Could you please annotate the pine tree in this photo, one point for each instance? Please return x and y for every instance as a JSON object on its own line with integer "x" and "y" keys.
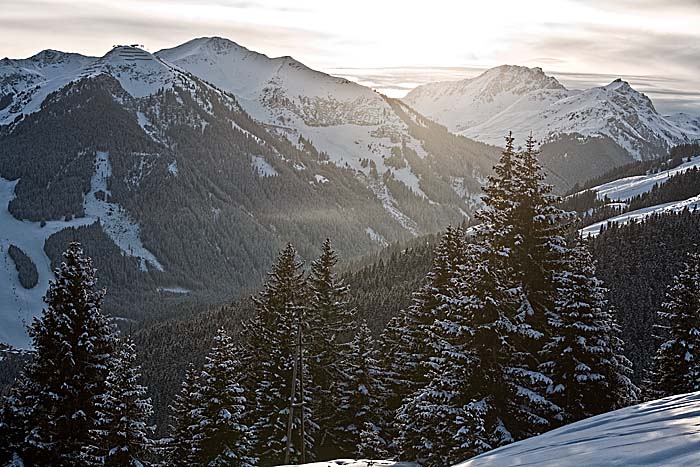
{"x": 122, "y": 436}
{"x": 463, "y": 410}
{"x": 676, "y": 366}
{"x": 359, "y": 391}
{"x": 410, "y": 355}
{"x": 393, "y": 373}
{"x": 330, "y": 319}
{"x": 588, "y": 374}
{"x": 521, "y": 232}
{"x": 486, "y": 388}
{"x": 220, "y": 435}
{"x": 182, "y": 450}
{"x": 53, "y": 409}
{"x": 372, "y": 445}
{"x": 272, "y": 350}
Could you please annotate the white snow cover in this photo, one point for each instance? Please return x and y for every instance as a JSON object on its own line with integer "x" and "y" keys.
{"x": 116, "y": 222}
{"x": 262, "y": 168}
{"x": 31, "y": 80}
{"x": 376, "y": 237}
{"x": 629, "y": 187}
{"x": 175, "y": 290}
{"x": 674, "y": 206}
{"x": 359, "y": 463}
{"x": 526, "y": 100}
{"x": 662, "y": 433}
{"x": 19, "y": 305}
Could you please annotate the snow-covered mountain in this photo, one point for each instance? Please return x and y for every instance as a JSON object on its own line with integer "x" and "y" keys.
{"x": 354, "y": 125}
{"x": 25, "y": 83}
{"x": 461, "y": 105}
{"x": 184, "y": 171}
{"x": 524, "y": 99}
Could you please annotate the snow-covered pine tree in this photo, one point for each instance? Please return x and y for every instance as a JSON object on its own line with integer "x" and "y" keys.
{"x": 588, "y": 374}
{"x": 330, "y": 319}
{"x": 122, "y": 438}
{"x": 521, "y": 232}
{"x": 359, "y": 391}
{"x": 676, "y": 366}
{"x": 220, "y": 434}
{"x": 272, "y": 337}
{"x": 486, "y": 388}
{"x": 372, "y": 445}
{"x": 462, "y": 411}
{"x": 181, "y": 449}
{"x": 54, "y": 406}
{"x": 411, "y": 355}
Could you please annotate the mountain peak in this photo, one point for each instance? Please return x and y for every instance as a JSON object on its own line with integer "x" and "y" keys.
{"x": 139, "y": 72}
{"x": 48, "y": 56}
{"x": 518, "y": 79}
{"x": 618, "y": 83}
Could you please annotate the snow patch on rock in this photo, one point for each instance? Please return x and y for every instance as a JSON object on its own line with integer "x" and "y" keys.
{"x": 115, "y": 221}
{"x": 262, "y": 168}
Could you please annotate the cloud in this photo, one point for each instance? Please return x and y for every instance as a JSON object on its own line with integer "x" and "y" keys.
{"x": 636, "y": 5}
{"x": 628, "y": 50}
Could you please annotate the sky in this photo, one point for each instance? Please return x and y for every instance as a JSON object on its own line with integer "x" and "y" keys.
{"x": 393, "y": 45}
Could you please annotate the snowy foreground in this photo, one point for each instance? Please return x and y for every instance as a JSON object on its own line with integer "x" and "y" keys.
{"x": 662, "y": 433}
{"x": 359, "y": 463}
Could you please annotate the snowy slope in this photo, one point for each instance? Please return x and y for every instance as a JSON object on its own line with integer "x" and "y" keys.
{"x": 360, "y": 463}
{"x": 629, "y": 187}
{"x": 349, "y": 122}
{"x": 28, "y": 82}
{"x": 19, "y": 305}
{"x": 662, "y": 433}
{"x": 691, "y": 204}
{"x": 139, "y": 72}
{"x": 524, "y": 100}
{"x": 25, "y": 83}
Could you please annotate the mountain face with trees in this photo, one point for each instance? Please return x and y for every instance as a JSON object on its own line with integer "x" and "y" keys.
{"x": 508, "y": 335}
{"x": 182, "y": 160}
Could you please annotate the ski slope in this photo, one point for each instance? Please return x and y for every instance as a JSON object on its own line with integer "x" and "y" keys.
{"x": 627, "y": 188}
{"x": 18, "y": 306}
{"x": 633, "y": 216}
{"x": 662, "y": 433}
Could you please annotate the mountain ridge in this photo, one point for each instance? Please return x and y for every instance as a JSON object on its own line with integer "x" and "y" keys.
{"x": 615, "y": 110}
